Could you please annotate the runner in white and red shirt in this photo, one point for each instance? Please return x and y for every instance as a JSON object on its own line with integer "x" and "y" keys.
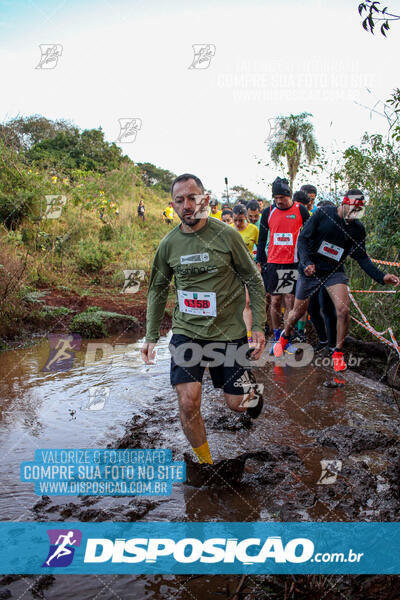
{"x": 283, "y": 220}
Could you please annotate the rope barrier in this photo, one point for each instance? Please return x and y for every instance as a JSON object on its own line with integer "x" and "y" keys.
{"x": 386, "y": 262}
{"x": 379, "y": 334}
{"x": 371, "y": 330}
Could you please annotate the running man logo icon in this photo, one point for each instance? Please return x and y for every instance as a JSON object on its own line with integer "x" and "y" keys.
{"x": 203, "y": 54}
{"x": 61, "y": 552}
{"x": 329, "y": 471}
{"x": 286, "y": 281}
{"x": 54, "y": 204}
{"x": 62, "y": 352}
{"x": 132, "y": 281}
{"x": 251, "y": 390}
{"x": 50, "y": 53}
{"x": 97, "y": 398}
{"x": 275, "y": 133}
{"x": 128, "y": 129}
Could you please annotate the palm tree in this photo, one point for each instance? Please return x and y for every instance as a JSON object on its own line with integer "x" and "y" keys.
{"x": 293, "y": 136}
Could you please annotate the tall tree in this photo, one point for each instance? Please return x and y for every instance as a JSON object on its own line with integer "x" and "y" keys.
{"x": 293, "y": 138}
{"x": 156, "y": 177}
{"x": 22, "y": 133}
{"x": 86, "y": 150}
{"x": 242, "y": 193}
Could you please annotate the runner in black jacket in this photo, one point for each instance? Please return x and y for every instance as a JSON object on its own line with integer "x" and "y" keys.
{"x": 328, "y": 237}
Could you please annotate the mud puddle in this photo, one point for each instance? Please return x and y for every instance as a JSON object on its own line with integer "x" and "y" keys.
{"x": 318, "y": 452}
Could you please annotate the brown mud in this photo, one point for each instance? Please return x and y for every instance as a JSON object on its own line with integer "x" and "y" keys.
{"x": 268, "y": 469}
{"x": 275, "y": 480}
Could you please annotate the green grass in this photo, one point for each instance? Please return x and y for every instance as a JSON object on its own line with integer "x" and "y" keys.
{"x": 94, "y": 324}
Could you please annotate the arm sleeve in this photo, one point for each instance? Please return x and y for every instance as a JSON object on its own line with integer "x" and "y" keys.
{"x": 359, "y": 253}
{"x": 305, "y": 239}
{"x": 262, "y": 237}
{"x": 248, "y": 272}
{"x": 160, "y": 279}
{"x": 305, "y": 215}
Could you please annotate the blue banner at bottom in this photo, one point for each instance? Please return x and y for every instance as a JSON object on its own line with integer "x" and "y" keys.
{"x": 200, "y": 548}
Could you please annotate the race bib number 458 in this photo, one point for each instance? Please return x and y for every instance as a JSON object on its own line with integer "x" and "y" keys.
{"x": 331, "y": 250}
{"x": 203, "y": 304}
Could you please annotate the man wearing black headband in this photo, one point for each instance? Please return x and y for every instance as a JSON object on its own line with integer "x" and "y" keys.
{"x": 282, "y": 221}
{"x": 328, "y": 237}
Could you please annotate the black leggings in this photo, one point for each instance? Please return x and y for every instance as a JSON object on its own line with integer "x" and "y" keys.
{"x": 323, "y": 316}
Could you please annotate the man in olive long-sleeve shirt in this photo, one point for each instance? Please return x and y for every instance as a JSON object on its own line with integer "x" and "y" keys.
{"x": 328, "y": 237}
{"x": 211, "y": 267}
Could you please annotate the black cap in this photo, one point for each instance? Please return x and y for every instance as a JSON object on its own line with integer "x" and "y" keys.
{"x": 280, "y": 187}
{"x": 355, "y": 192}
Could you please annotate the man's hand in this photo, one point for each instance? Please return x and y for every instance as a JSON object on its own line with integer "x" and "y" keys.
{"x": 259, "y": 344}
{"x": 148, "y": 353}
{"x": 258, "y": 265}
{"x": 389, "y": 278}
{"x": 309, "y": 270}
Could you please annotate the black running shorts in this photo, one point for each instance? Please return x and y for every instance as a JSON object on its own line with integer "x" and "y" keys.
{"x": 190, "y": 357}
{"x": 309, "y": 285}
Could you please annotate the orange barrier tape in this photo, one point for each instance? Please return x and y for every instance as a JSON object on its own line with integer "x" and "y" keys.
{"x": 375, "y": 291}
{"x": 379, "y": 334}
{"x": 386, "y": 262}
{"x": 371, "y": 330}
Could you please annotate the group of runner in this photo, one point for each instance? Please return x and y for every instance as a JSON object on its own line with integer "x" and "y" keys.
{"x": 224, "y": 272}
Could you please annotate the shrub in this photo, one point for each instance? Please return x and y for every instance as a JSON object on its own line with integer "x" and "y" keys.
{"x": 54, "y": 311}
{"x": 91, "y": 257}
{"x": 15, "y": 206}
{"x": 88, "y": 325}
{"x": 100, "y": 323}
{"x": 106, "y": 233}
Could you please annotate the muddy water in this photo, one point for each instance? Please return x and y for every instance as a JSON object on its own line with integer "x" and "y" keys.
{"x": 306, "y": 418}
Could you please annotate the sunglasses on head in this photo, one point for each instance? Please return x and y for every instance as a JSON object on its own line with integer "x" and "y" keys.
{"x": 357, "y": 201}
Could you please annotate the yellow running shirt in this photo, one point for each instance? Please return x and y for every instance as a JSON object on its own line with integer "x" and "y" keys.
{"x": 250, "y": 236}
{"x": 217, "y": 215}
{"x": 169, "y": 212}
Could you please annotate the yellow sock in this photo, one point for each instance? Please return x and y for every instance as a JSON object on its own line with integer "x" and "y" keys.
{"x": 203, "y": 453}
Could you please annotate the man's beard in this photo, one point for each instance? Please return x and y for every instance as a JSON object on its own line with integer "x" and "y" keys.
{"x": 354, "y": 214}
{"x": 193, "y": 220}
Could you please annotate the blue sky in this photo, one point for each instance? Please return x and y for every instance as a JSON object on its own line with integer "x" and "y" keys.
{"x": 130, "y": 60}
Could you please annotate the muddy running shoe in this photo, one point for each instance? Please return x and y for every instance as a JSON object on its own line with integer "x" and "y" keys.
{"x": 338, "y": 361}
{"x": 279, "y": 346}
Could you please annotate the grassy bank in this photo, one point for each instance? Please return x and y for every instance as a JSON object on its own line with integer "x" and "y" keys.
{"x": 76, "y": 254}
